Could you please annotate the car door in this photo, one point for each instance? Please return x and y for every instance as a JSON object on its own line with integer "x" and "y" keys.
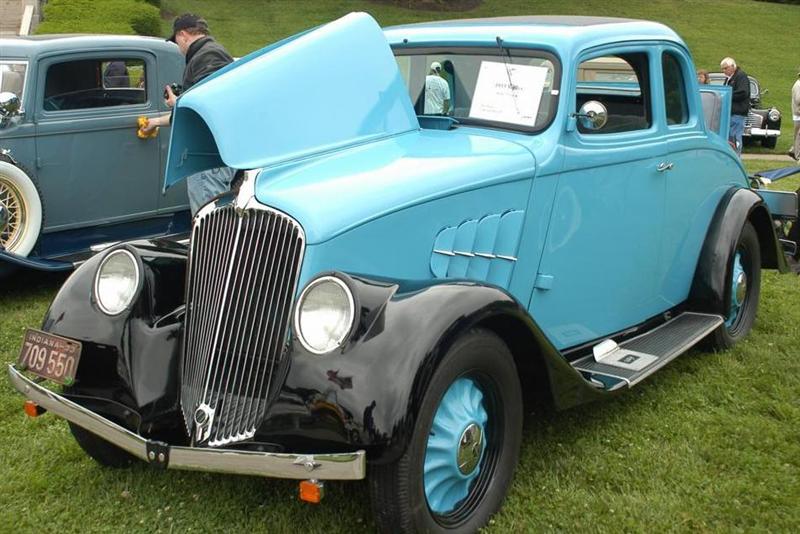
{"x": 693, "y": 184}
{"x": 597, "y": 273}
{"x": 91, "y": 165}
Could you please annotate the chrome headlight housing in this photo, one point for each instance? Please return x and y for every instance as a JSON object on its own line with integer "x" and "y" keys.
{"x": 774, "y": 115}
{"x": 116, "y": 282}
{"x": 324, "y": 314}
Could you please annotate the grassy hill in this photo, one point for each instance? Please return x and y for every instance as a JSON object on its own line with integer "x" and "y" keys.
{"x": 761, "y": 36}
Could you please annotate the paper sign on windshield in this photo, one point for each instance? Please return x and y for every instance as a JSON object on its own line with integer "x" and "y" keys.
{"x": 508, "y": 93}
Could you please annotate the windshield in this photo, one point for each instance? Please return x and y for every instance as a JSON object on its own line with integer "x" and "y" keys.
{"x": 513, "y": 89}
{"x": 12, "y": 77}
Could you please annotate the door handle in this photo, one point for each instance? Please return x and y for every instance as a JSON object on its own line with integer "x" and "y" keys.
{"x": 664, "y": 166}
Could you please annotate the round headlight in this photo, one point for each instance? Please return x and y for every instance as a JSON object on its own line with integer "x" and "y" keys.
{"x": 774, "y": 115}
{"x": 324, "y": 314}
{"x": 116, "y": 282}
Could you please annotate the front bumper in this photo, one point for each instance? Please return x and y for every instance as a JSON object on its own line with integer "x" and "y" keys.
{"x": 340, "y": 466}
{"x": 763, "y": 132}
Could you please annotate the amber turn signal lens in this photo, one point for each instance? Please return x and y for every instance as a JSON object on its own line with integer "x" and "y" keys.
{"x": 32, "y": 409}
{"x": 312, "y": 491}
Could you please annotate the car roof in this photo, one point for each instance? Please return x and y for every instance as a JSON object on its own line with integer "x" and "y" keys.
{"x": 557, "y": 32}
{"x": 28, "y": 46}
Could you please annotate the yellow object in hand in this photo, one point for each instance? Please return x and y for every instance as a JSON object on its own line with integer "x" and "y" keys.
{"x": 142, "y": 122}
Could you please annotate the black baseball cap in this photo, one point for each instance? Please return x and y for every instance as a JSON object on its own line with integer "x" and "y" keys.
{"x": 187, "y": 21}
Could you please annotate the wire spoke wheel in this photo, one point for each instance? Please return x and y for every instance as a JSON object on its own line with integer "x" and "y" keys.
{"x": 15, "y": 213}
{"x": 20, "y": 210}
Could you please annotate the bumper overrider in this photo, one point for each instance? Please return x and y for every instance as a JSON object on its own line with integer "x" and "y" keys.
{"x": 338, "y": 466}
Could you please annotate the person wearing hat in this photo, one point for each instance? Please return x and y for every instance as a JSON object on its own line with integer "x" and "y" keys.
{"x": 204, "y": 56}
{"x": 795, "y": 150}
{"x": 437, "y": 91}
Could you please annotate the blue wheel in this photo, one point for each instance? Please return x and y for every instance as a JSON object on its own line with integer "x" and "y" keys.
{"x": 465, "y": 444}
{"x": 456, "y": 444}
{"x": 742, "y": 292}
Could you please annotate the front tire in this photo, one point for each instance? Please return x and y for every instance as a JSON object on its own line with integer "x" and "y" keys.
{"x": 744, "y": 282}
{"x": 769, "y": 142}
{"x": 23, "y": 207}
{"x": 99, "y": 449}
{"x": 464, "y": 447}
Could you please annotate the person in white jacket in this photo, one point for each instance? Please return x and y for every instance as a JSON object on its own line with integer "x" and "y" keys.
{"x": 795, "y": 150}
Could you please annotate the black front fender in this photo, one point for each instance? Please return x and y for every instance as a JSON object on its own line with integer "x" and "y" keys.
{"x": 130, "y": 358}
{"x": 369, "y": 392}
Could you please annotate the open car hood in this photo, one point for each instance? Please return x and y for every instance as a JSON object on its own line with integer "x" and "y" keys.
{"x": 331, "y": 87}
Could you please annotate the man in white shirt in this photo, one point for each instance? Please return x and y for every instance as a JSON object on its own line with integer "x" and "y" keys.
{"x": 795, "y": 150}
{"x": 437, "y": 92}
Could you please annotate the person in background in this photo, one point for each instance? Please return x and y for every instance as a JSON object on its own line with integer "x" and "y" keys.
{"x": 702, "y": 77}
{"x": 738, "y": 81}
{"x": 116, "y": 75}
{"x": 204, "y": 56}
{"x": 795, "y": 150}
{"x": 437, "y": 92}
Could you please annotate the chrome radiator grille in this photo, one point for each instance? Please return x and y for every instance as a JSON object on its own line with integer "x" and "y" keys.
{"x": 753, "y": 121}
{"x": 242, "y": 276}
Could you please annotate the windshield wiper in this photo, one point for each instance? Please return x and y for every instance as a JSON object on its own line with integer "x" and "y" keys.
{"x": 505, "y": 53}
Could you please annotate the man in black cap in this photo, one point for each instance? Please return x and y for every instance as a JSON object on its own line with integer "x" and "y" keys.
{"x": 204, "y": 56}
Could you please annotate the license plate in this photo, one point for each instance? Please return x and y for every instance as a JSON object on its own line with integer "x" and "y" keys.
{"x": 52, "y": 357}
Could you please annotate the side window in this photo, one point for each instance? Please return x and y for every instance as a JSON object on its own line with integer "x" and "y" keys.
{"x": 95, "y": 83}
{"x": 674, "y": 90}
{"x": 622, "y": 84}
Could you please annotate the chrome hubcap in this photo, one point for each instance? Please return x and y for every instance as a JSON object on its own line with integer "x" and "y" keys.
{"x": 741, "y": 288}
{"x": 470, "y": 447}
{"x": 12, "y": 214}
{"x": 738, "y": 290}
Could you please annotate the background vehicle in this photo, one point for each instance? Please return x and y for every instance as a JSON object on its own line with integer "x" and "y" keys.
{"x": 73, "y": 174}
{"x": 762, "y": 124}
{"x": 384, "y": 290}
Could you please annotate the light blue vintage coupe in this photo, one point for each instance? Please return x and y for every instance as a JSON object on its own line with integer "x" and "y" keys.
{"x": 74, "y": 177}
{"x": 438, "y": 223}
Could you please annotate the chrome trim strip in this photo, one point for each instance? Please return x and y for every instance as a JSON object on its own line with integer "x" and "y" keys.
{"x": 509, "y": 258}
{"x": 338, "y": 466}
{"x": 465, "y": 254}
{"x": 445, "y": 252}
{"x": 765, "y": 131}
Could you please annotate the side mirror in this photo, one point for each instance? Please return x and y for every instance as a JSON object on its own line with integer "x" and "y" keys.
{"x": 9, "y": 107}
{"x": 593, "y": 115}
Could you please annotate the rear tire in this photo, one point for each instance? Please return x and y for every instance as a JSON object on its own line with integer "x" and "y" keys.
{"x": 741, "y": 308}
{"x": 21, "y": 200}
{"x": 464, "y": 447}
{"x": 100, "y": 450}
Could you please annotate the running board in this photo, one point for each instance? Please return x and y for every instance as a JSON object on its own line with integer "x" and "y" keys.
{"x": 613, "y": 366}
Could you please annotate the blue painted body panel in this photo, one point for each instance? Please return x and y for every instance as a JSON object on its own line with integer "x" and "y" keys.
{"x": 98, "y": 182}
{"x": 594, "y": 238}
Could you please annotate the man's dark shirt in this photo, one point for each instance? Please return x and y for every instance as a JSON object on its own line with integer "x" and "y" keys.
{"x": 740, "y": 84}
{"x": 205, "y": 56}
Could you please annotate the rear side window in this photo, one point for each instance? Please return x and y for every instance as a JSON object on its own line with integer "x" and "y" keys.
{"x": 674, "y": 90}
{"x": 95, "y": 83}
{"x": 622, "y": 84}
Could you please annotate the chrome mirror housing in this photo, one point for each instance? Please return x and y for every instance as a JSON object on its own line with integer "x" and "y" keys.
{"x": 593, "y": 115}
{"x": 9, "y": 107}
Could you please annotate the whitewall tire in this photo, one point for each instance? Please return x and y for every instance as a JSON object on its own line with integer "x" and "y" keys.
{"x": 22, "y": 210}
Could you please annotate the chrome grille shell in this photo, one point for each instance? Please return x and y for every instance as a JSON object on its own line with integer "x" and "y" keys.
{"x": 244, "y": 265}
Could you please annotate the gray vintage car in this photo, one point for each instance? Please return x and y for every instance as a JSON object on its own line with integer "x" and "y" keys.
{"x": 74, "y": 176}
{"x": 762, "y": 123}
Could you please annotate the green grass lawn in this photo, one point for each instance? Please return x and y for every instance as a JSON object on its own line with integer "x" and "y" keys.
{"x": 711, "y": 443}
{"x": 761, "y": 36}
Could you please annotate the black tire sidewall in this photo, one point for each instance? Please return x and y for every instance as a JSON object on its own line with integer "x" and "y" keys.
{"x": 480, "y": 355}
{"x": 726, "y": 337}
